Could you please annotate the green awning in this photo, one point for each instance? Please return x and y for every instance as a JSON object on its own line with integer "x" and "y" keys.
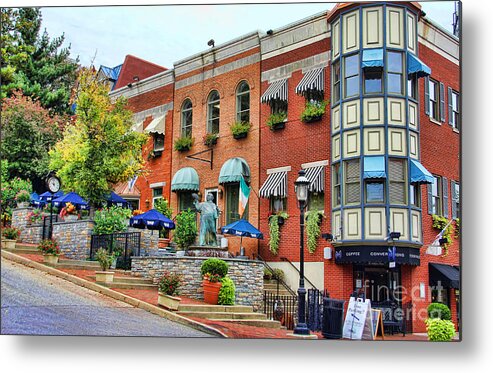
{"x": 185, "y": 179}
{"x": 232, "y": 171}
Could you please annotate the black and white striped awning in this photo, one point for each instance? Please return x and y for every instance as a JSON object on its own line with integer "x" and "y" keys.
{"x": 278, "y": 90}
{"x": 312, "y": 80}
{"x": 275, "y": 185}
{"x": 316, "y": 175}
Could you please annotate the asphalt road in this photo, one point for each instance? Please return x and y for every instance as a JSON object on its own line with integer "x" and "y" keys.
{"x": 36, "y": 303}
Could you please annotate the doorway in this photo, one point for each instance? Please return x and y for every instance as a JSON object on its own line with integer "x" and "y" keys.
{"x": 378, "y": 283}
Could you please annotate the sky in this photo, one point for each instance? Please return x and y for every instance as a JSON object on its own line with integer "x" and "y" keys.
{"x": 104, "y": 35}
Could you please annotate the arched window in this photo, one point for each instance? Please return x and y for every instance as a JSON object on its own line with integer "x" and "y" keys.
{"x": 213, "y": 112}
{"x": 186, "y": 118}
{"x": 243, "y": 102}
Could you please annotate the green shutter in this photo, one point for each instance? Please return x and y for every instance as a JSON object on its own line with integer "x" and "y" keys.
{"x": 427, "y": 96}
{"x": 442, "y": 102}
{"x": 445, "y": 196}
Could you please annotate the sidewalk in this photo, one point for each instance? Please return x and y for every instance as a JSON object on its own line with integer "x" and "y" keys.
{"x": 149, "y": 298}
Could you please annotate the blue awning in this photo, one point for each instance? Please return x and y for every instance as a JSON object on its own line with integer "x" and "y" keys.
{"x": 372, "y": 58}
{"x": 419, "y": 174}
{"x": 233, "y": 170}
{"x": 416, "y": 66}
{"x": 374, "y": 168}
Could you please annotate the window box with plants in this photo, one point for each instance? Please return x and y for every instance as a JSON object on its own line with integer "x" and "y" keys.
{"x": 23, "y": 198}
{"x": 213, "y": 270}
{"x": 168, "y": 286}
{"x": 277, "y": 121}
{"x": 240, "y": 129}
{"x": 275, "y": 220}
{"x": 210, "y": 139}
{"x": 105, "y": 259}
{"x": 314, "y": 110}
{"x": 183, "y": 144}
{"x": 9, "y": 237}
{"x": 50, "y": 250}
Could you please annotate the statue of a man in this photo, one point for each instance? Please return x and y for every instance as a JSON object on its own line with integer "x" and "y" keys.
{"x": 208, "y": 215}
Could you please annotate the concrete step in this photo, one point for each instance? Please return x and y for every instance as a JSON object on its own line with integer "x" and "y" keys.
{"x": 224, "y": 315}
{"x": 259, "y": 323}
{"x": 133, "y": 280}
{"x": 120, "y": 285}
{"x": 78, "y": 264}
{"x": 24, "y": 249}
{"x": 213, "y": 308}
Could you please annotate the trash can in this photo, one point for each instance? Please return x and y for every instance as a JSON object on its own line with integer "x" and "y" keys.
{"x": 333, "y": 318}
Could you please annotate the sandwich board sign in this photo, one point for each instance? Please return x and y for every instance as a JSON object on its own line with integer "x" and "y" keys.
{"x": 358, "y": 323}
{"x": 377, "y": 323}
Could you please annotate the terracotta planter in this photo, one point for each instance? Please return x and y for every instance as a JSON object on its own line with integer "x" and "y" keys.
{"x": 104, "y": 277}
{"x": 211, "y": 291}
{"x": 8, "y": 244}
{"x": 21, "y": 205}
{"x": 163, "y": 243}
{"x": 50, "y": 259}
{"x": 71, "y": 217}
{"x": 168, "y": 301}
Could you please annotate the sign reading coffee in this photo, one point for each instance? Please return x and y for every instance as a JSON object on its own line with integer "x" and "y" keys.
{"x": 377, "y": 255}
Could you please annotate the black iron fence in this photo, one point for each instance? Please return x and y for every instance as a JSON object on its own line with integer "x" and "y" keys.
{"x": 315, "y": 307}
{"x": 125, "y": 245}
{"x": 283, "y": 308}
{"x": 47, "y": 227}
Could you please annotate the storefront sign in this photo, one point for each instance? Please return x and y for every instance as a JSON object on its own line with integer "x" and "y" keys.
{"x": 377, "y": 255}
{"x": 358, "y": 322}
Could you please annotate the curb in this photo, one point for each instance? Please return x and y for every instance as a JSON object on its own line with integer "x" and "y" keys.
{"x": 114, "y": 294}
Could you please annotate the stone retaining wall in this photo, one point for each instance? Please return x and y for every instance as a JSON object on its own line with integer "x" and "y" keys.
{"x": 246, "y": 274}
{"x": 19, "y": 217}
{"x": 32, "y": 234}
{"x": 149, "y": 241}
{"x": 74, "y": 238}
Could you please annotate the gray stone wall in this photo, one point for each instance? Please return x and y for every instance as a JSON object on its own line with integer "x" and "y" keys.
{"x": 19, "y": 218}
{"x": 32, "y": 234}
{"x": 149, "y": 241}
{"x": 74, "y": 238}
{"x": 246, "y": 274}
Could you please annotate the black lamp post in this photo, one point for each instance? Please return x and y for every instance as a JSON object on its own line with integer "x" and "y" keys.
{"x": 301, "y": 187}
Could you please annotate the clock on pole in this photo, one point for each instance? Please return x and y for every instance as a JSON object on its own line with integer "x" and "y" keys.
{"x": 53, "y": 184}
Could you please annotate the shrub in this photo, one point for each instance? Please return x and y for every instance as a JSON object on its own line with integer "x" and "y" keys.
{"x": 227, "y": 292}
{"x": 110, "y": 220}
{"x": 276, "y": 118}
{"x": 214, "y": 266}
{"x": 439, "y": 311}
{"x": 11, "y": 233}
{"x": 170, "y": 283}
{"x": 183, "y": 143}
{"x": 104, "y": 259}
{"x": 440, "y": 330}
{"x": 186, "y": 229}
{"x": 278, "y": 274}
{"x": 35, "y": 216}
{"x": 23, "y": 196}
{"x": 240, "y": 128}
{"x": 49, "y": 247}
{"x": 313, "y": 110}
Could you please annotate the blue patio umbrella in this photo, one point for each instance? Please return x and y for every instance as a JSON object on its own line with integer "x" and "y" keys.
{"x": 152, "y": 219}
{"x": 242, "y": 228}
{"x": 36, "y": 201}
{"x": 115, "y": 199}
{"x": 73, "y": 198}
{"x": 46, "y": 196}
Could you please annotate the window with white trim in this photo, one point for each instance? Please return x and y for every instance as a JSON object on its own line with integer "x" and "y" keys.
{"x": 158, "y": 141}
{"x": 243, "y": 102}
{"x": 213, "y": 112}
{"x": 351, "y": 75}
{"x": 156, "y": 194}
{"x": 336, "y": 184}
{"x": 436, "y": 195}
{"x": 336, "y": 78}
{"x": 397, "y": 181}
{"x": 352, "y": 177}
{"x": 186, "y": 118}
{"x": 455, "y": 115}
{"x": 394, "y": 72}
{"x": 434, "y": 100}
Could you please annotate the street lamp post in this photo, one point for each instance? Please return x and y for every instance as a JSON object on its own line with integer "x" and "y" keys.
{"x": 301, "y": 188}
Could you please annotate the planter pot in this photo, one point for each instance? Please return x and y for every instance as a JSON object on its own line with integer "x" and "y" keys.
{"x": 104, "y": 277}
{"x": 211, "y": 143}
{"x": 8, "y": 244}
{"x": 240, "y": 135}
{"x": 313, "y": 119}
{"x": 211, "y": 291}
{"x": 50, "y": 259}
{"x": 22, "y": 204}
{"x": 71, "y": 218}
{"x": 168, "y": 301}
{"x": 163, "y": 243}
{"x": 278, "y": 126}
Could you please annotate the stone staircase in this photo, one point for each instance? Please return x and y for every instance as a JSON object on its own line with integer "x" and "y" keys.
{"x": 135, "y": 283}
{"x": 270, "y": 286}
{"x": 236, "y": 314}
{"x": 21, "y": 248}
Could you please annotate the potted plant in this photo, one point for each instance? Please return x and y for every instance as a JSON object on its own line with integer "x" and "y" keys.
{"x": 226, "y": 296}
{"x": 69, "y": 212}
{"x": 277, "y": 121}
{"x": 314, "y": 110}
{"x": 275, "y": 220}
{"x": 10, "y": 236}
{"x": 23, "y": 198}
{"x": 50, "y": 250}
{"x": 240, "y": 129}
{"x": 104, "y": 259}
{"x": 213, "y": 270}
{"x": 210, "y": 139}
{"x": 313, "y": 221}
{"x": 183, "y": 144}
{"x": 168, "y": 286}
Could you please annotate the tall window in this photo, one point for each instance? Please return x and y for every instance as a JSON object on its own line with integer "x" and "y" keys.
{"x": 277, "y": 204}
{"x": 156, "y": 194}
{"x": 213, "y": 111}
{"x": 394, "y": 72}
{"x": 243, "y": 102}
{"x": 351, "y": 75}
{"x": 434, "y": 100}
{"x": 158, "y": 141}
{"x": 455, "y": 200}
{"x": 374, "y": 191}
{"x": 186, "y": 118}
{"x": 373, "y": 80}
{"x": 232, "y": 192}
{"x": 185, "y": 201}
{"x": 436, "y": 195}
{"x": 454, "y": 110}
{"x": 336, "y": 183}
{"x": 352, "y": 181}
{"x": 336, "y": 78}
{"x": 397, "y": 181}
{"x": 414, "y": 195}
{"x": 278, "y": 106}
{"x": 316, "y": 201}
{"x": 412, "y": 87}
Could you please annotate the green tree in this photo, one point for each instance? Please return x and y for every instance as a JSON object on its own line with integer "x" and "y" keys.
{"x": 34, "y": 63}
{"x": 98, "y": 149}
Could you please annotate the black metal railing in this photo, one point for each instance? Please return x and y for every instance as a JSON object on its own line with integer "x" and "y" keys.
{"x": 126, "y": 244}
{"x": 47, "y": 227}
{"x": 297, "y": 270}
{"x": 315, "y": 307}
{"x": 283, "y": 308}
{"x": 279, "y": 280}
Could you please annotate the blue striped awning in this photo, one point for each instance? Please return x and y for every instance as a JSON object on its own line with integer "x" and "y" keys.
{"x": 374, "y": 168}
{"x": 416, "y": 66}
{"x": 275, "y": 185}
{"x": 372, "y": 58}
{"x": 312, "y": 80}
{"x": 278, "y": 90}
{"x": 316, "y": 176}
{"x": 419, "y": 174}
